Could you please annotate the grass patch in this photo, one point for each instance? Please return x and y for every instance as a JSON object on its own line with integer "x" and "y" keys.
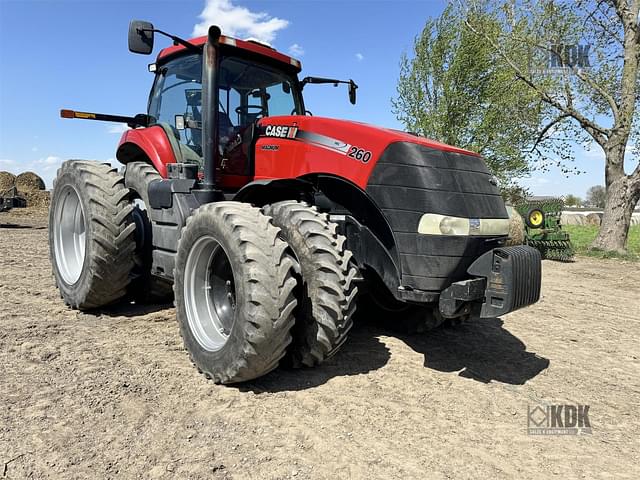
{"x": 583, "y": 235}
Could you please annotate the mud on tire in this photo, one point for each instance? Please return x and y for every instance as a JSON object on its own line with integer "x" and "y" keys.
{"x": 144, "y": 286}
{"x": 259, "y": 275}
{"x": 327, "y": 297}
{"x": 91, "y": 234}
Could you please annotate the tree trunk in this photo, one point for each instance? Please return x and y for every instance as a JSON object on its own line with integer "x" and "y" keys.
{"x": 622, "y": 197}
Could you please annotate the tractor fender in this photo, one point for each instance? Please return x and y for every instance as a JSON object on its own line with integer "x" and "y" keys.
{"x": 152, "y": 143}
{"x": 368, "y": 232}
{"x": 263, "y": 192}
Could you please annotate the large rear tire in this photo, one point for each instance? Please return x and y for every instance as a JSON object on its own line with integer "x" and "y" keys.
{"x": 144, "y": 287}
{"x": 327, "y": 297}
{"x": 234, "y": 283}
{"x": 91, "y": 234}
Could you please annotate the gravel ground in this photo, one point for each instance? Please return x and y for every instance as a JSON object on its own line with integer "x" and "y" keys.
{"x": 112, "y": 394}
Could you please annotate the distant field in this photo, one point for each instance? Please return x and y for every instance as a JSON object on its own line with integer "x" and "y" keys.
{"x": 583, "y": 235}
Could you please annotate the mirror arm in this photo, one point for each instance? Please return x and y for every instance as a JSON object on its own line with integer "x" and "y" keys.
{"x": 306, "y": 80}
{"x": 178, "y": 40}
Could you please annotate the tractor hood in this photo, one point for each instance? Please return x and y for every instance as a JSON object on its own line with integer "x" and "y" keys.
{"x": 341, "y": 147}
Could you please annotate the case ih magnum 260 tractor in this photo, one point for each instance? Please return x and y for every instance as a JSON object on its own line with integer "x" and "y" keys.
{"x": 269, "y": 224}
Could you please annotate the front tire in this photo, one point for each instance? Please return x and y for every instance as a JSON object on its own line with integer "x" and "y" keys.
{"x": 91, "y": 234}
{"x": 327, "y": 298}
{"x": 234, "y": 292}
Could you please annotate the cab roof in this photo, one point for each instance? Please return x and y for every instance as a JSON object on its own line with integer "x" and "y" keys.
{"x": 249, "y": 45}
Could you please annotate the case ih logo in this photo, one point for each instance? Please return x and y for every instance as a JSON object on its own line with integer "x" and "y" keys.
{"x": 558, "y": 420}
{"x": 281, "y": 131}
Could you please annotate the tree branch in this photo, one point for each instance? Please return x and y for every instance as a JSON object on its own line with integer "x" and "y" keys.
{"x": 546, "y": 129}
{"x": 606, "y": 95}
{"x": 598, "y": 133}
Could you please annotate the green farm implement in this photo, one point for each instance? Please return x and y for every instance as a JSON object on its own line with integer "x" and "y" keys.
{"x": 543, "y": 230}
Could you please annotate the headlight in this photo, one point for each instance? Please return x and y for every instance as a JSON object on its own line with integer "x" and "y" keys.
{"x": 435, "y": 224}
{"x": 454, "y": 226}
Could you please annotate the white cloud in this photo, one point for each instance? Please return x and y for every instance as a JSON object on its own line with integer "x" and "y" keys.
{"x": 238, "y": 21}
{"x": 4, "y": 161}
{"x": 34, "y": 149}
{"x": 118, "y": 128}
{"x": 51, "y": 160}
{"x": 296, "y": 50}
{"x": 359, "y": 57}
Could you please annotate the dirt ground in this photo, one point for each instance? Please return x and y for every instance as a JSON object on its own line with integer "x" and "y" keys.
{"x": 113, "y": 395}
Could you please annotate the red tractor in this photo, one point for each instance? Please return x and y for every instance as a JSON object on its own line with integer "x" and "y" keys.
{"x": 268, "y": 224}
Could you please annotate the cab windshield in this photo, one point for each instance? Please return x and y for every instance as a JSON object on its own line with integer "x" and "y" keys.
{"x": 248, "y": 91}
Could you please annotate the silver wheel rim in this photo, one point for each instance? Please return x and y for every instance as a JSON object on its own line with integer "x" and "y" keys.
{"x": 209, "y": 293}
{"x": 70, "y": 236}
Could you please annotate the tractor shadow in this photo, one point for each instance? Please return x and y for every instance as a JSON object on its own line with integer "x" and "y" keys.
{"x": 16, "y": 226}
{"x": 481, "y": 350}
{"x": 131, "y": 309}
{"x": 362, "y": 353}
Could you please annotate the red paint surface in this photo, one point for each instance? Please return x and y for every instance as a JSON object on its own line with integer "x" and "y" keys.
{"x": 297, "y": 158}
{"x": 250, "y": 46}
{"x": 154, "y": 143}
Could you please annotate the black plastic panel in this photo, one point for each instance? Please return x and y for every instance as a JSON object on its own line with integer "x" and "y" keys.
{"x": 410, "y": 180}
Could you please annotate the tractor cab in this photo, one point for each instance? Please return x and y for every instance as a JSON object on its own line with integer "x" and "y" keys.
{"x": 250, "y": 87}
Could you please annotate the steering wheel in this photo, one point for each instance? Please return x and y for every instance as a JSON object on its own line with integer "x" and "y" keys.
{"x": 244, "y": 109}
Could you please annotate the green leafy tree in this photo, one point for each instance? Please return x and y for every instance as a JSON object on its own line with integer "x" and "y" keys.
{"x": 582, "y": 60}
{"x": 596, "y": 196}
{"x": 572, "y": 201}
{"x": 458, "y": 90}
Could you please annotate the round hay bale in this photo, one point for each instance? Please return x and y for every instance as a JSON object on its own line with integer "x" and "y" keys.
{"x": 37, "y": 199}
{"x": 593, "y": 219}
{"x": 29, "y": 182}
{"x": 516, "y": 227}
{"x": 7, "y": 181}
{"x": 635, "y": 220}
{"x": 572, "y": 219}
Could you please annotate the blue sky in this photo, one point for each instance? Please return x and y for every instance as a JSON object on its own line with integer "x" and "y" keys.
{"x": 73, "y": 54}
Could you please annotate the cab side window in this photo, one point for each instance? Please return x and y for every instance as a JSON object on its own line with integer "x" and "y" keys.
{"x": 178, "y": 91}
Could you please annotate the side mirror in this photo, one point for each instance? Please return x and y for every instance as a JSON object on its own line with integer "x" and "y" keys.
{"x": 352, "y": 92}
{"x": 140, "y": 37}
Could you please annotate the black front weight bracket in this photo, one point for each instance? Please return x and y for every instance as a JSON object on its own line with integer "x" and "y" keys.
{"x": 509, "y": 278}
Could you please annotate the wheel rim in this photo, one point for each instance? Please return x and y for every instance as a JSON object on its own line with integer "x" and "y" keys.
{"x": 536, "y": 218}
{"x": 69, "y": 235}
{"x": 209, "y": 293}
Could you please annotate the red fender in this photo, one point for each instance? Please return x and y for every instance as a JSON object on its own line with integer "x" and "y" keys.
{"x": 153, "y": 142}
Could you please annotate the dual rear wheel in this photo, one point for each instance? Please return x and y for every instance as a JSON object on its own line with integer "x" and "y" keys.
{"x": 254, "y": 287}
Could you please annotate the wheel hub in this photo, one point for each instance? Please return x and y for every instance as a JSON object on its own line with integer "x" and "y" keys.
{"x": 210, "y": 294}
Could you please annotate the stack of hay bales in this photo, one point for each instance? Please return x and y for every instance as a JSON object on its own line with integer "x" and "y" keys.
{"x": 28, "y": 185}
{"x": 573, "y": 219}
{"x": 516, "y": 227}
{"x": 594, "y": 218}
